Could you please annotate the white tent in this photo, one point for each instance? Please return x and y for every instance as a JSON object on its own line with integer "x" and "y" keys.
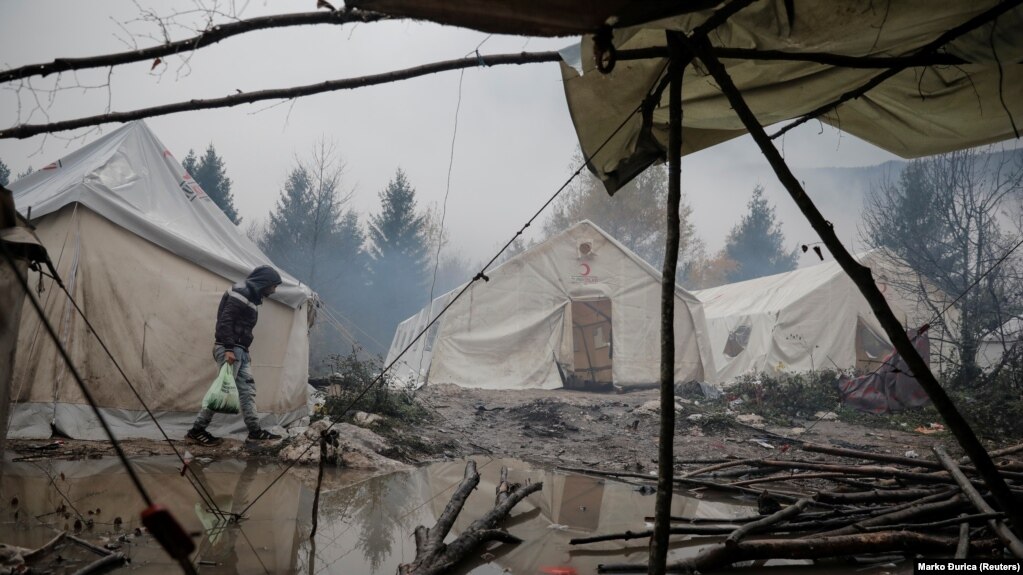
{"x": 579, "y": 308}
{"x": 147, "y": 255}
{"x": 994, "y": 345}
{"x": 810, "y": 318}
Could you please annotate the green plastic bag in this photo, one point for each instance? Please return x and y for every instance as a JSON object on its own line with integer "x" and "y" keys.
{"x": 223, "y": 394}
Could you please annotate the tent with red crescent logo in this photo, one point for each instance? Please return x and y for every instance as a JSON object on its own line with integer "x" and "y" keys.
{"x": 579, "y": 309}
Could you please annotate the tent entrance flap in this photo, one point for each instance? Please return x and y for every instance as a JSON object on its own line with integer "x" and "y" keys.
{"x": 591, "y": 345}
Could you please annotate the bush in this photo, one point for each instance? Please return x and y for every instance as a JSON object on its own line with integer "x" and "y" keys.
{"x": 350, "y": 379}
{"x": 787, "y": 396}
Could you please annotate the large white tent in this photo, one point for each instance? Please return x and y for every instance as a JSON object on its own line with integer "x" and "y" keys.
{"x": 147, "y": 255}
{"x": 579, "y": 308}
{"x": 811, "y": 318}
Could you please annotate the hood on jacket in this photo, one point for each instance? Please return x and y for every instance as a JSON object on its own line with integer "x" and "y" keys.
{"x": 260, "y": 279}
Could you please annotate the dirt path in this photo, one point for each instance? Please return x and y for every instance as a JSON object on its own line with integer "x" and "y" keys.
{"x": 556, "y": 427}
{"x": 609, "y": 431}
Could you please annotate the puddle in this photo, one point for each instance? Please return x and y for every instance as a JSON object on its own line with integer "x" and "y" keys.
{"x": 365, "y": 523}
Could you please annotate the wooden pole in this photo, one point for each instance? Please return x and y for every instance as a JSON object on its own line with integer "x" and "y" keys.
{"x": 861, "y": 276}
{"x": 319, "y": 483}
{"x": 665, "y": 449}
{"x": 790, "y": 511}
{"x": 1003, "y": 532}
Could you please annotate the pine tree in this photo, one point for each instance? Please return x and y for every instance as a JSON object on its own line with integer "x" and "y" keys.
{"x": 310, "y": 235}
{"x": 399, "y": 254}
{"x": 756, "y": 243}
{"x": 211, "y": 174}
{"x": 286, "y": 230}
{"x": 5, "y": 174}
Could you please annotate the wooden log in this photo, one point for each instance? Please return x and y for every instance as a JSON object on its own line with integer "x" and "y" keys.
{"x": 898, "y": 459}
{"x": 998, "y": 452}
{"x": 103, "y": 564}
{"x": 94, "y": 548}
{"x": 962, "y": 550}
{"x": 719, "y": 466}
{"x": 1004, "y": 533}
{"x": 789, "y": 496}
{"x": 787, "y": 477}
{"x": 961, "y": 519}
{"x": 720, "y": 555}
{"x": 434, "y": 557}
{"x": 876, "y": 495}
{"x": 790, "y": 511}
{"x": 45, "y": 549}
{"x": 920, "y": 507}
{"x": 868, "y": 470}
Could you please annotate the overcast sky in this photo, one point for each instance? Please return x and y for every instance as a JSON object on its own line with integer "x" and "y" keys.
{"x": 514, "y": 141}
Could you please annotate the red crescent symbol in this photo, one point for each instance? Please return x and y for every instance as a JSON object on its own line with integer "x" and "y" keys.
{"x": 586, "y": 269}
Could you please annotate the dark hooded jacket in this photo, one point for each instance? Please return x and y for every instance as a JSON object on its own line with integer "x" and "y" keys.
{"x": 238, "y": 311}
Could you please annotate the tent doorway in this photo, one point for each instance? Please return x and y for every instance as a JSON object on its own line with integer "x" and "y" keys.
{"x": 591, "y": 343}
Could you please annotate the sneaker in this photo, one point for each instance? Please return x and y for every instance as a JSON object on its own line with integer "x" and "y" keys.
{"x": 202, "y": 437}
{"x": 262, "y": 435}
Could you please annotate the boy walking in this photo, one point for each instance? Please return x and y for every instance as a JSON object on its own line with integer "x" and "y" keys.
{"x": 236, "y": 318}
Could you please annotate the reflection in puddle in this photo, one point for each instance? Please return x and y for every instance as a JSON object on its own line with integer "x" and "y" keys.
{"x": 365, "y": 523}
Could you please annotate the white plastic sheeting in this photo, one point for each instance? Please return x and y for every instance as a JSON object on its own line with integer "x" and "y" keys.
{"x": 919, "y": 111}
{"x": 507, "y": 332}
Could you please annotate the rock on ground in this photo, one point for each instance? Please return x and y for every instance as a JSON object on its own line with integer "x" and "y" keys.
{"x": 356, "y": 448}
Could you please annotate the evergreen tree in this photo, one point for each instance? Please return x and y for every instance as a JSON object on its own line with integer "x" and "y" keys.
{"x": 5, "y": 174}
{"x": 210, "y": 173}
{"x": 311, "y": 236}
{"x": 756, "y": 243}
{"x": 399, "y": 254}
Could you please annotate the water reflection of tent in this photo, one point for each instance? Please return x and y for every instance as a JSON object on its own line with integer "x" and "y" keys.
{"x": 272, "y": 533}
{"x": 568, "y": 506}
{"x": 810, "y": 318}
{"x": 131, "y": 230}
{"x": 580, "y": 298}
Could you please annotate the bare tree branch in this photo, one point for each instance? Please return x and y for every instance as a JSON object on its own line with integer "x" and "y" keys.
{"x": 28, "y": 130}
{"x": 211, "y": 36}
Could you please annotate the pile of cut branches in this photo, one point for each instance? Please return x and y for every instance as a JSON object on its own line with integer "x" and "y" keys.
{"x": 871, "y": 506}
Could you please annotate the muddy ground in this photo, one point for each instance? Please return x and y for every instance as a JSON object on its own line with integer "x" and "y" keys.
{"x": 560, "y": 427}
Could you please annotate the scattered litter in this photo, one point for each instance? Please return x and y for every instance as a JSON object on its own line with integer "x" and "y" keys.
{"x": 826, "y": 415}
{"x": 912, "y": 454}
{"x": 761, "y": 443}
{"x": 695, "y": 417}
{"x": 693, "y": 388}
{"x": 735, "y": 402}
{"x": 930, "y": 428}
{"x": 557, "y": 526}
{"x": 364, "y": 419}
{"x": 751, "y": 419}
{"x": 559, "y": 570}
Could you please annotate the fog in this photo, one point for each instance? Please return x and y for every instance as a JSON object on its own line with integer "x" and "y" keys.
{"x": 510, "y": 149}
